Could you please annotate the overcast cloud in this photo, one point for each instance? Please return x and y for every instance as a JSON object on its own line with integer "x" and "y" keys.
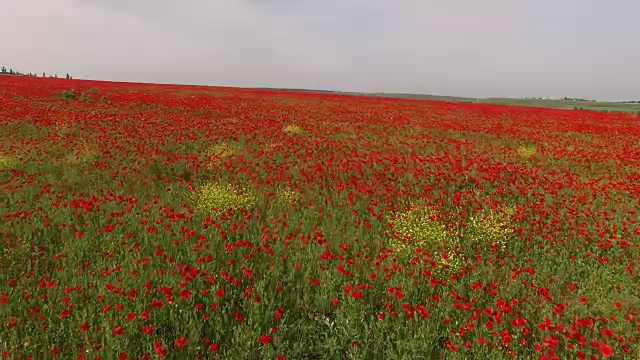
{"x": 552, "y": 48}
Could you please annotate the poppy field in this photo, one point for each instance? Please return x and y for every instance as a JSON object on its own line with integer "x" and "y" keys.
{"x": 142, "y": 221}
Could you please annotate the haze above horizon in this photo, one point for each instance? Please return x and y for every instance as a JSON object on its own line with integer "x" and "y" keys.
{"x": 495, "y": 48}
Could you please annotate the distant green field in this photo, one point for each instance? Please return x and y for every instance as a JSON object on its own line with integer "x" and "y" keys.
{"x": 563, "y": 104}
{"x": 555, "y": 104}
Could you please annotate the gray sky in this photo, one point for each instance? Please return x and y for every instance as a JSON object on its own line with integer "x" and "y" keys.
{"x": 552, "y": 48}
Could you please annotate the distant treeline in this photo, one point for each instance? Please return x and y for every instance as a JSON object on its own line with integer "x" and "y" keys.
{"x": 621, "y": 102}
{"x": 575, "y": 99}
{"x": 5, "y": 71}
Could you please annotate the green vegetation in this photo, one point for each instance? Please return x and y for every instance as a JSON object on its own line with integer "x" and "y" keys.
{"x": 88, "y": 95}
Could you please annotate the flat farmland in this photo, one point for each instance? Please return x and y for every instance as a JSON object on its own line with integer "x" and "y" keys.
{"x": 143, "y": 221}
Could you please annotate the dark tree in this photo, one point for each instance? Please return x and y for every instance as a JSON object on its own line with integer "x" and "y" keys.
{"x": 4, "y": 70}
{"x": 68, "y": 77}
{"x": 44, "y": 74}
